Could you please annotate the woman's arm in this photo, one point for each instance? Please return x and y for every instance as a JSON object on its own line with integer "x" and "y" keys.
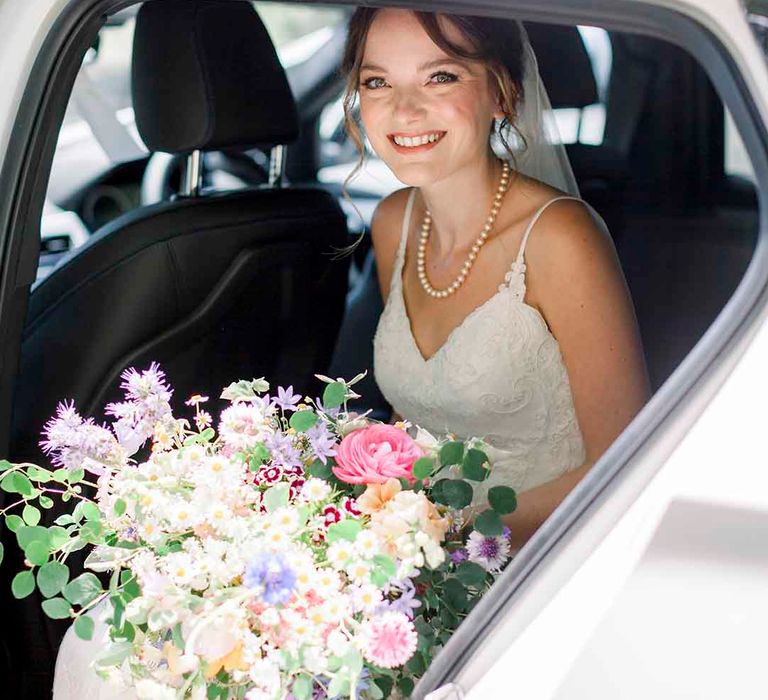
{"x": 575, "y": 280}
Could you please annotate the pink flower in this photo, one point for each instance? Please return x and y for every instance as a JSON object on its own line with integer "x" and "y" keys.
{"x": 389, "y": 640}
{"x": 374, "y": 454}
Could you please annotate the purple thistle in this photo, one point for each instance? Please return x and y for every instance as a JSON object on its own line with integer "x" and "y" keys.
{"x": 271, "y": 576}
{"x": 490, "y": 552}
{"x": 322, "y": 441}
{"x": 286, "y": 399}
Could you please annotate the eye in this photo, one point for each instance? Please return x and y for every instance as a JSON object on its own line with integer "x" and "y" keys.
{"x": 374, "y": 83}
{"x": 443, "y": 77}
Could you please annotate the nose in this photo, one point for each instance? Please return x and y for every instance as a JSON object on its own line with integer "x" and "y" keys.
{"x": 408, "y": 106}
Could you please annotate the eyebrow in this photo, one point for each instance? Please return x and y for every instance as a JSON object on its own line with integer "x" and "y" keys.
{"x": 424, "y": 66}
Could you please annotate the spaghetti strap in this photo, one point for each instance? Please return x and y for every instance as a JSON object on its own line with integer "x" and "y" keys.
{"x": 397, "y": 268}
{"x": 532, "y": 223}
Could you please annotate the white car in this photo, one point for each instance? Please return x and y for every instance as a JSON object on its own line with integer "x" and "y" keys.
{"x": 650, "y": 579}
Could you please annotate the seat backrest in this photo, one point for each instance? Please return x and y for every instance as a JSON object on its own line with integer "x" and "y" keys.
{"x": 216, "y": 287}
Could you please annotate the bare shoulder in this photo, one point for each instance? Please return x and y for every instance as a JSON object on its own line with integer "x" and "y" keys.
{"x": 386, "y": 226}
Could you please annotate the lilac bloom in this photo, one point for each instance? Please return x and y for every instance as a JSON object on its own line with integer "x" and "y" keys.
{"x": 322, "y": 441}
{"x": 271, "y": 576}
{"x": 405, "y": 603}
{"x": 330, "y": 412}
{"x": 286, "y": 399}
{"x": 282, "y": 450}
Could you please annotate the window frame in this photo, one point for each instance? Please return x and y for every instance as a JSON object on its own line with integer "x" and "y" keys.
{"x": 635, "y": 456}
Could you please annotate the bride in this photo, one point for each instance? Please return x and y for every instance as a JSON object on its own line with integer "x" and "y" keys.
{"x": 507, "y": 315}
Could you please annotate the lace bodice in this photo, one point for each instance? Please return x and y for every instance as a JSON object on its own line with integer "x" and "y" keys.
{"x": 499, "y": 375}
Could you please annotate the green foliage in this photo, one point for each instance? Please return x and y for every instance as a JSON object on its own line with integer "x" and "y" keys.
{"x": 16, "y": 482}
{"x": 84, "y": 627}
{"x": 37, "y": 553}
{"x": 45, "y": 502}
{"x": 422, "y": 467}
{"x": 455, "y": 493}
{"x": 471, "y": 574}
{"x": 502, "y": 499}
{"x": 347, "y": 529}
{"x": 119, "y": 507}
{"x": 4, "y": 465}
{"x": 475, "y": 465}
{"x": 13, "y": 522}
{"x": 416, "y": 664}
{"x": 83, "y": 589}
{"x": 302, "y": 420}
{"x": 23, "y": 584}
{"x": 2, "y": 552}
{"x": 451, "y": 453}
{"x": 489, "y": 523}
{"x": 455, "y": 594}
{"x": 52, "y": 577}
{"x": 385, "y": 685}
{"x": 31, "y": 515}
{"x": 320, "y": 470}
{"x": 334, "y": 395}
{"x": 302, "y": 686}
{"x": 244, "y": 390}
{"x": 276, "y": 497}
{"x": 56, "y": 608}
{"x": 90, "y": 511}
{"x": 405, "y": 685}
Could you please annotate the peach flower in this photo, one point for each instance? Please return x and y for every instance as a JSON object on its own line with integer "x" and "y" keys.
{"x": 375, "y": 454}
{"x": 376, "y": 496}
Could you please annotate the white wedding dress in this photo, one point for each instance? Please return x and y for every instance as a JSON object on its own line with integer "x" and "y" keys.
{"x": 498, "y": 376}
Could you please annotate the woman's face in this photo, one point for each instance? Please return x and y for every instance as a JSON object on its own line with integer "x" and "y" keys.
{"x": 427, "y": 115}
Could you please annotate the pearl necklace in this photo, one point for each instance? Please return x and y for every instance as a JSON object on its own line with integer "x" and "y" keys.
{"x": 426, "y": 227}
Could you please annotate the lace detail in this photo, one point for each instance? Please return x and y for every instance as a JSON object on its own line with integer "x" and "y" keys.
{"x": 499, "y": 375}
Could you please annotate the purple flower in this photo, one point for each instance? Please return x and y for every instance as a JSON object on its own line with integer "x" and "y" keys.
{"x": 286, "y": 399}
{"x": 322, "y": 441}
{"x": 490, "y": 552}
{"x": 405, "y": 603}
{"x": 272, "y": 578}
{"x": 284, "y": 453}
{"x": 459, "y": 556}
{"x": 74, "y": 443}
{"x": 330, "y": 412}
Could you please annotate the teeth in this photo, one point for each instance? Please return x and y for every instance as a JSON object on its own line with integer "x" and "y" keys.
{"x": 411, "y": 141}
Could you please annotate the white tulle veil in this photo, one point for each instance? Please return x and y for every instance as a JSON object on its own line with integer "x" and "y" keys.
{"x": 534, "y": 138}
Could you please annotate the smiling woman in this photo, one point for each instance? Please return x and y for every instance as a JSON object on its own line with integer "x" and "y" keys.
{"x": 528, "y": 340}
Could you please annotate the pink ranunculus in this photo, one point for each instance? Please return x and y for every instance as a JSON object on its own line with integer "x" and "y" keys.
{"x": 374, "y": 454}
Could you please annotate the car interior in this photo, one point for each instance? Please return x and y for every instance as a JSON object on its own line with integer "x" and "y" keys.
{"x": 232, "y": 248}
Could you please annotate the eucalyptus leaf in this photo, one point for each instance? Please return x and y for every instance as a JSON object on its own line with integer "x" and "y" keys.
{"x": 27, "y": 534}
{"x": 113, "y": 654}
{"x": 334, "y": 395}
{"x": 31, "y": 515}
{"x": 5, "y": 464}
{"x": 347, "y": 529}
{"x": 320, "y": 470}
{"x": 502, "y": 499}
{"x": 245, "y": 390}
{"x": 475, "y": 465}
{"x": 84, "y": 626}
{"x": 405, "y": 685}
{"x": 37, "y": 553}
{"x": 489, "y": 523}
{"x": 13, "y": 522}
{"x": 23, "y": 584}
{"x": 422, "y": 467}
{"x": 83, "y": 589}
{"x": 457, "y": 493}
{"x": 302, "y": 420}
{"x": 52, "y": 577}
{"x": 471, "y": 574}
{"x": 451, "y": 453}
{"x": 455, "y": 594}
{"x": 45, "y": 502}
{"x": 57, "y": 608}
{"x": 119, "y": 507}
{"x": 302, "y": 688}
{"x": 276, "y": 497}
{"x": 90, "y": 511}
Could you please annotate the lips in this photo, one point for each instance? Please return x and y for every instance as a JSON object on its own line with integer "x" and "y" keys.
{"x": 414, "y": 143}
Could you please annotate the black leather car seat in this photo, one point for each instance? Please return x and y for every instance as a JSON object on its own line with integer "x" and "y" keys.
{"x": 214, "y": 287}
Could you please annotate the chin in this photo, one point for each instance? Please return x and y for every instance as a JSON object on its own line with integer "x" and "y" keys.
{"x": 414, "y": 174}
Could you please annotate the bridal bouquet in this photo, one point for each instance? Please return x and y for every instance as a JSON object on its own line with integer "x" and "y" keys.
{"x": 296, "y": 550}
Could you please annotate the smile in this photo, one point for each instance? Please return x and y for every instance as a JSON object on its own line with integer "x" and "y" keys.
{"x": 419, "y": 141}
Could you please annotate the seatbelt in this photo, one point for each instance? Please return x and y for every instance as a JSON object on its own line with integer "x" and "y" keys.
{"x": 113, "y": 137}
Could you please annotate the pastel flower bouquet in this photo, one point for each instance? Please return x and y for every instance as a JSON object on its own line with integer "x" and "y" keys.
{"x": 297, "y": 551}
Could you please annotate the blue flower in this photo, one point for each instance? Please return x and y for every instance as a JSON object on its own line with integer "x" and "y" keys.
{"x": 271, "y": 576}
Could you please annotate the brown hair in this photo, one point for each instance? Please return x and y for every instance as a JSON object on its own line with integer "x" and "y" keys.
{"x": 496, "y": 43}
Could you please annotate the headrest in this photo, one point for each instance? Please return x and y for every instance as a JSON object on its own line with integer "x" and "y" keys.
{"x": 564, "y": 65}
{"x": 206, "y": 76}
